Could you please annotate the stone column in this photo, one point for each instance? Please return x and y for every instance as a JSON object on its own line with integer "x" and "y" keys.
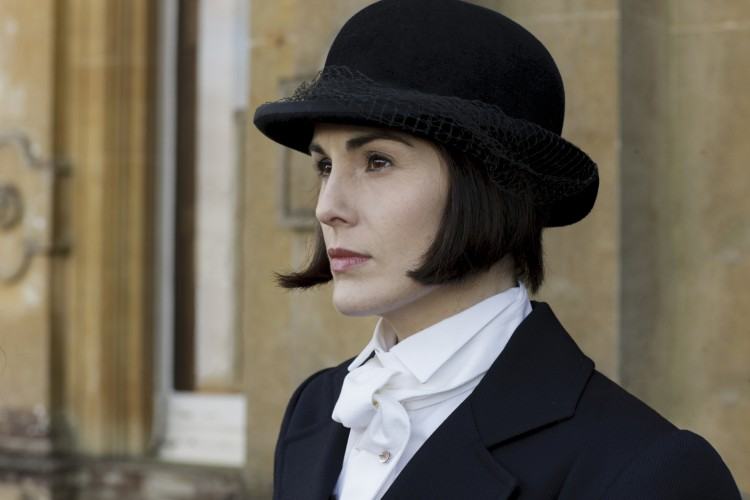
{"x": 685, "y": 210}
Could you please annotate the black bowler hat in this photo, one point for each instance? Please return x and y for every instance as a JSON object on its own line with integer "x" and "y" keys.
{"x": 457, "y": 74}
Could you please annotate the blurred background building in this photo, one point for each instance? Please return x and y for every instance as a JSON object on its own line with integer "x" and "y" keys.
{"x": 145, "y": 352}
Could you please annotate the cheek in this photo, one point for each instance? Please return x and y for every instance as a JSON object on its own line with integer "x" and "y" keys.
{"x": 410, "y": 222}
{"x": 427, "y": 206}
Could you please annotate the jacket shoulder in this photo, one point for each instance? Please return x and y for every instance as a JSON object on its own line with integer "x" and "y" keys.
{"x": 308, "y": 408}
{"x": 629, "y": 450}
{"x": 312, "y": 402}
{"x": 611, "y": 412}
{"x": 680, "y": 465}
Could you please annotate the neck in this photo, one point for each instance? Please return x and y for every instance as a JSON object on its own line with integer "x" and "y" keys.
{"x": 449, "y": 299}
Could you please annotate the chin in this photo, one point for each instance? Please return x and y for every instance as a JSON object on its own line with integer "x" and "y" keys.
{"x": 356, "y": 306}
{"x": 346, "y": 310}
{"x": 358, "y": 300}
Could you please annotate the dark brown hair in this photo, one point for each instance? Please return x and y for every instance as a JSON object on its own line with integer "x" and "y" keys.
{"x": 482, "y": 223}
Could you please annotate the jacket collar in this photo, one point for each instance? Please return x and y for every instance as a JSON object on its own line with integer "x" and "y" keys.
{"x": 536, "y": 381}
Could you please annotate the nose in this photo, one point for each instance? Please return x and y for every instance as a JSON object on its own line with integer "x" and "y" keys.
{"x": 334, "y": 206}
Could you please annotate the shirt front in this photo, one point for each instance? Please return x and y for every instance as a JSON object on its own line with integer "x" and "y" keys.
{"x": 393, "y": 401}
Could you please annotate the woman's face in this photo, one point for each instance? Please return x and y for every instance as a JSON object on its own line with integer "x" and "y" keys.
{"x": 382, "y": 195}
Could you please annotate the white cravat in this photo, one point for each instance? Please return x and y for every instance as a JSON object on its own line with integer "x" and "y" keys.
{"x": 394, "y": 401}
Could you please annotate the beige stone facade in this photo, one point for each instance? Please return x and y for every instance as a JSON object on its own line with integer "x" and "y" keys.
{"x": 653, "y": 284}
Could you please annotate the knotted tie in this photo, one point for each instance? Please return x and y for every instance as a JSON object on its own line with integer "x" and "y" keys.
{"x": 373, "y": 403}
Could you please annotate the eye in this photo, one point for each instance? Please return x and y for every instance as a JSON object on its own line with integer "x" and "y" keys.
{"x": 323, "y": 167}
{"x": 377, "y": 162}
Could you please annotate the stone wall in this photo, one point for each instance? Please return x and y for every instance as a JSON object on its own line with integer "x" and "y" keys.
{"x": 685, "y": 254}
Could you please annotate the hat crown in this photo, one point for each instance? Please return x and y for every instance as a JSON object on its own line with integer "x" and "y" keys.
{"x": 453, "y": 48}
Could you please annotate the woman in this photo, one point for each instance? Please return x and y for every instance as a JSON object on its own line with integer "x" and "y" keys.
{"x": 435, "y": 127}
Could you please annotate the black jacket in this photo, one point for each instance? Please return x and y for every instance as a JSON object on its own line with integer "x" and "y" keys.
{"x": 541, "y": 424}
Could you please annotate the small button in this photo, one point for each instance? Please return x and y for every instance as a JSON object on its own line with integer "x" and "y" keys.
{"x": 384, "y": 456}
{"x": 375, "y": 404}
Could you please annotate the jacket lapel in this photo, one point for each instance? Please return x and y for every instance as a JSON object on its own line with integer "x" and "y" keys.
{"x": 453, "y": 463}
{"x": 536, "y": 381}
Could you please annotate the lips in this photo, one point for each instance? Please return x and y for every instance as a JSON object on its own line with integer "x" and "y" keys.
{"x": 342, "y": 253}
{"x": 343, "y": 259}
{"x": 341, "y": 265}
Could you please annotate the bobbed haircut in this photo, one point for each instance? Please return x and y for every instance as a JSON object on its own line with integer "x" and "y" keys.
{"x": 482, "y": 223}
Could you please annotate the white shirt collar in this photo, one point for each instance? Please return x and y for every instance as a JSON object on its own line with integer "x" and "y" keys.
{"x": 424, "y": 352}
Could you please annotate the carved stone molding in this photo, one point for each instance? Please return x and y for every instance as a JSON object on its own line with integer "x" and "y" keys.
{"x": 13, "y": 216}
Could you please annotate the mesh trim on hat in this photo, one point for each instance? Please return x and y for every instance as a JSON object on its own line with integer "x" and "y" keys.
{"x": 518, "y": 154}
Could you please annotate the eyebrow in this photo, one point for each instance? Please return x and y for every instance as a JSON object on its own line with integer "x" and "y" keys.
{"x": 361, "y": 140}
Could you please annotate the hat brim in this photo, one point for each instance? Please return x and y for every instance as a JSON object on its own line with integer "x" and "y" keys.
{"x": 292, "y": 124}
{"x": 543, "y": 155}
